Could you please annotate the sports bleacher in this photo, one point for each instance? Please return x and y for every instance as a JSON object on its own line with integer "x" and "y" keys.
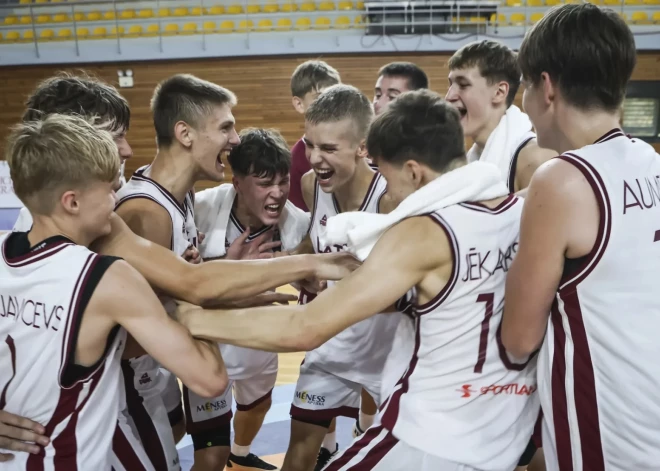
{"x": 26, "y": 21}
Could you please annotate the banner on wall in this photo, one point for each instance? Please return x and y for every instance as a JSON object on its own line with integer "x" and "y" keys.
{"x": 7, "y": 197}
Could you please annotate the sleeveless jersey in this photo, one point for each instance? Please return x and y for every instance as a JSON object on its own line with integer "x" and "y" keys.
{"x": 599, "y": 374}
{"x": 43, "y": 295}
{"x": 359, "y": 352}
{"x": 511, "y": 171}
{"x": 241, "y": 362}
{"x": 460, "y": 397}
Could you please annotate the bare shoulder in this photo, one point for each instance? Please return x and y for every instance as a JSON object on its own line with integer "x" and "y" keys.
{"x": 386, "y": 204}
{"x": 119, "y": 283}
{"x": 558, "y": 179}
{"x": 307, "y": 186}
{"x": 147, "y": 219}
{"x": 530, "y": 158}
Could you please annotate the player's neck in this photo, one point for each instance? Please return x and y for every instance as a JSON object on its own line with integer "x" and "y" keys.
{"x": 487, "y": 129}
{"x": 578, "y": 128}
{"x": 173, "y": 172}
{"x": 351, "y": 195}
{"x": 44, "y": 227}
{"x": 245, "y": 217}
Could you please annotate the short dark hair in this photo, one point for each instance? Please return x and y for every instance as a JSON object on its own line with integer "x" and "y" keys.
{"x": 184, "y": 97}
{"x": 419, "y": 126}
{"x": 341, "y": 102}
{"x": 311, "y": 76}
{"x": 591, "y": 59}
{"x": 81, "y": 95}
{"x": 262, "y": 152}
{"x": 417, "y": 78}
{"x": 496, "y": 63}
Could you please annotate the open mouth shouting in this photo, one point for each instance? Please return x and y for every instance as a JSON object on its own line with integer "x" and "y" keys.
{"x": 324, "y": 175}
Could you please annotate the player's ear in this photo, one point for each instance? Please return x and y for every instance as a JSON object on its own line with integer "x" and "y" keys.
{"x": 549, "y": 89}
{"x": 234, "y": 181}
{"x": 70, "y": 201}
{"x": 298, "y": 104}
{"x": 415, "y": 173}
{"x": 183, "y": 133}
{"x": 362, "y": 149}
{"x": 501, "y": 92}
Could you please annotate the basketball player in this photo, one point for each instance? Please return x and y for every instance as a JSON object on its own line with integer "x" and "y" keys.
{"x": 484, "y": 77}
{"x": 583, "y": 286}
{"x": 255, "y": 202}
{"x": 307, "y": 82}
{"x": 448, "y": 410}
{"x": 336, "y": 124}
{"x": 394, "y": 79}
{"x": 63, "y": 305}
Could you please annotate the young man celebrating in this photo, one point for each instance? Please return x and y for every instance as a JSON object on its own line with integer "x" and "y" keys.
{"x": 254, "y": 203}
{"x": 308, "y": 81}
{"x": 483, "y": 80}
{"x": 583, "y": 286}
{"x": 63, "y": 305}
{"x": 442, "y": 257}
{"x": 394, "y": 79}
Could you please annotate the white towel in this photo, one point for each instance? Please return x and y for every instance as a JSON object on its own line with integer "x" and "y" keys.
{"x": 478, "y": 181}
{"x": 212, "y": 211}
{"x": 503, "y": 141}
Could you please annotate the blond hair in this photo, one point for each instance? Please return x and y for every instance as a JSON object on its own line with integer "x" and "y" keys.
{"x": 59, "y": 152}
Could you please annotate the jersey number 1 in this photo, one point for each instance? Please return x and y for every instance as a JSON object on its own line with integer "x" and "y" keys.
{"x": 489, "y": 299}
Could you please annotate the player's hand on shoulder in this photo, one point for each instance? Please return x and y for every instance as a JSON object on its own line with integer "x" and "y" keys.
{"x": 335, "y": 266}
{"x": 260, "y": 247}
{"x": 20, "y": 434}
{"x": 192, "y": 255}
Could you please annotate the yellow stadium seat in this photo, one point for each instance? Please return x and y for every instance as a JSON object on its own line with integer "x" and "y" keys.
{"x": 196, "y": 11}
{"x": 345, "y": 5}
{"x": 41, "y": 1}
{"x": 477, "y": 19}
{"x": 145, "y": 13}
{"x": 11, "y": 20}
{"x": 64, "y": 34}
{"x": 270, "y": 8}
{"x": 43, "y": 19}
{"x": 23, "y": 2}
{"x": 226, "y": 26}
{"x": 535, "y": 3}
{"x": 308, "y": 6}
{"x": 217, "y": 10}
{"x": 47, "y": 34}
{"x": 360, "y": 5}
{"x": 114, "y": 31}
{"x": 552, "y": 3}
{"x": 244, "y": 26}
{"x": 283, "y": 24}
{"x": 652, "y": 2}
{"x": 56, "y": 1}
{"x": 93, "y": 16}
{"x": 303, "y": 24}
{"x": 82, "y": 33}
{"x": 180, "y": 11}
{"x": 461, "y": 20}
{"x": 108, "y": 15}
{"x": 656, "y": 17}
{"x": 189, "y": 28}
{"x": 513, "y": 3}
{"x": 25, "y": 20}
{"x": 633, "y": 2}
{"x": 498, "y": 19}
{"x": 612, "y": 2}
{"x": 326, "y": 6}
{"x": 134, "y": 31}
{"x": 164, "y": 12}
{"x": 517, "y": 19}
{"x": 127, "y": 14}
{"x": 235, "y": 9}
{"x": 536, "y": 17}
{"x": 78, "y": 16}
{"x": 99, "y": 32}
{"x": 209, "y": 26}
{"x": 171, "y": 29}
{"x": 359, "y": 22}
{"x": 264, "y": 25}
{"x": 288, "y": 7}
{"x": 13, "y": 36}
{"x": 343, "y": 22}
{"x": 252, "y": 9}
{"x": 28, "y": 35}
{"x": 152, "y": 30}
{"x": 640, "y": 18}
{"x": 322, "y": 22}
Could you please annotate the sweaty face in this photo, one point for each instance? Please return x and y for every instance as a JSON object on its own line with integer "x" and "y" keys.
{"x": 96, "y": 203}
{"x": 470, "y": 93}
{"x": 387, "y": 90}
{"x": 263, "y": 196}
{"x": 214, "y": 139}
{"x": 399, "y": 183}
{"x": 332, "y": 151}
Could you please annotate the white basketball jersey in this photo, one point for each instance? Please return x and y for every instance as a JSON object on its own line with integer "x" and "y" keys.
{"x": 43, "y": 294}
{"x": 460, "y": 397}
{"x": 241, "y": 362}
{"x": 511, "y": 171}
{"x": 359, "y": 352}
{"x": 599, "y": 373}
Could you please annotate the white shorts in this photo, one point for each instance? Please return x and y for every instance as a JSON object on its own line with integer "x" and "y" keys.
{"x": 128, "y": 454}
{"x": 321, "y": 396}
{"x": 204, "y": 414}
{"x": 378, "y": 450}
{"x": 146, "y": 413}
{"x": 171, "y": 394}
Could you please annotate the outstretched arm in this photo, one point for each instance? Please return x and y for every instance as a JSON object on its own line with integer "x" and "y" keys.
{"x": 216, "y": 281}
{"x": 400, "y": 260}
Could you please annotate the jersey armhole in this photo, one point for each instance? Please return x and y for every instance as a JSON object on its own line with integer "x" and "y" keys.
{"x": 511, "y": 183}
{"x": 72, "y": 372}
{"x": 150, "y": 198}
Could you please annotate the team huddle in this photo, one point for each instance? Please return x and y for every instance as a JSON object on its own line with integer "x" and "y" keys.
{"x": 482, "y": 310}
